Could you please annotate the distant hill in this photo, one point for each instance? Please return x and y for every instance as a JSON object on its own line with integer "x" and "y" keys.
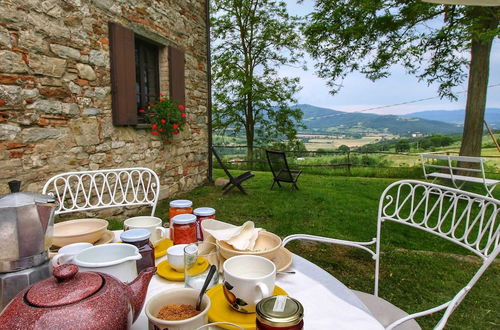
{"x": 323, "y": 120}
{"x": 492, "y": 116}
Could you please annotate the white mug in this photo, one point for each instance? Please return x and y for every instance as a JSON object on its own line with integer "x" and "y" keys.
{"x": 66, "y": 254}
{"x": 247, "y": 280}
{"x": 175, "y": 256}
{"x": 153, "y": 224}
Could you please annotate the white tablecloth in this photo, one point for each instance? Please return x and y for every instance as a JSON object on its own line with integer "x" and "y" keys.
{"x": 328, "y": 304}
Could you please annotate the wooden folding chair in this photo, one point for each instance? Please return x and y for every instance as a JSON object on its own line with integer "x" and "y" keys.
{"x": 281, "y": 171}
{"x": 233, "y": 182}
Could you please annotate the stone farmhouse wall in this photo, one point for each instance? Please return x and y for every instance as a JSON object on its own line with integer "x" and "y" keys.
{"x": 55, "y": 91}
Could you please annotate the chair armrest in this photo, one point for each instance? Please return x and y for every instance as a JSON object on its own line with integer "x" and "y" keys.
{"x": 359, "y": 245}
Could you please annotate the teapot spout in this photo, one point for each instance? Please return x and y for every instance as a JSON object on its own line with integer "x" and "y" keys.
{"x": 138, "y": 289}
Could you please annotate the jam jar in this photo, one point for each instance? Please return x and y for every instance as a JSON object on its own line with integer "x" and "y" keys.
{"x": 279, "y": 312}
{"x": 202, "y": 213}
{"x": 140, "y": 238}
{"x": 179, "y": 206}
{"x": 183, "y": 230}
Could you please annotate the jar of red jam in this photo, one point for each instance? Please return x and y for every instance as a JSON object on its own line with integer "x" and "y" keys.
{"x": 202, "y": 213}
{"x": 183, "y": 230}
{"x": 279, "y": 313}
{"x": 140, "y": 238}
{"x": 179, "y": 206}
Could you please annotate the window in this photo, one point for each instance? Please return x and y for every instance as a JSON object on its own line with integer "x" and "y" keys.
{"x": 147, "y": 77}
{"x": 135, "y": 74}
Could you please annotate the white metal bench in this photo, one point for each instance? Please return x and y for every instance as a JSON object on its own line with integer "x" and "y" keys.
{"x": 91, "y": 190}
{"x": 464, "y": 218}
{"x": 449, "y": 167}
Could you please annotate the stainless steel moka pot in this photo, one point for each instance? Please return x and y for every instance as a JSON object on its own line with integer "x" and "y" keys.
{"x": 26, "y": 230}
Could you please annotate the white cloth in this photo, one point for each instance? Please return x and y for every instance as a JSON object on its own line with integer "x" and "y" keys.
{"x": 241, "y": 238}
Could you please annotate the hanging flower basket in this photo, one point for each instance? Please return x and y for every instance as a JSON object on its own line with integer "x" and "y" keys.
{"x": 167, "y": 118}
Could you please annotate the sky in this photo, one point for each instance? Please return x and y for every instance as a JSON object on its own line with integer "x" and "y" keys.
{"x": 360, "y": 94}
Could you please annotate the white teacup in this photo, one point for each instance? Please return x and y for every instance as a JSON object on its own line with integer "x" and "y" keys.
{"x": 247, "y": 280}
{"x": 153, "y": 224}
{"x": 66, "y": 254}
{"x": 175, "y": 256}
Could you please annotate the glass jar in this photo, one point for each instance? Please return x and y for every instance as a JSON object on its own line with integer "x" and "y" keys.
{"x": 183, "y": 230}
{"x": 202, "y": 213}
{"x": 179, "y": 206}
{"x": 140, "y": 238}
{"x": 279, "y": 312}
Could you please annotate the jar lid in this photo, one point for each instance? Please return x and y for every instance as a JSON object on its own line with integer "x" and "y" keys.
{"x": 135, "y": 235}
{"x": 184, "y": 219}
{"x": 204, "y": 211}
{"x": 66, "y": 287}
{"x": 181, "y": 203}
{"x": 279, "y": 311}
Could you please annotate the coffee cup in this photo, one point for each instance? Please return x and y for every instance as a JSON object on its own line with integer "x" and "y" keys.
{"x": 66, "y": 254}
{"x": 247, "y": 280}
{"x": 153, "y": 224}
{"x": 175, "y": 256}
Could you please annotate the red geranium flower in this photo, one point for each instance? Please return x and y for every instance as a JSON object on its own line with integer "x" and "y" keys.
{"x": 154, "y": 132}
{"x": 162, "y": 99}
{"x": 162, "y": 94}
{"x": 175, "y": 126}
{"x": 176, "y": 132}
{"x": 160, "y": 129}
{"x": 183, "y": 115}
{"x": 142, "y": 110}
{"x": 163, "y": 121}
{"x": 153, "y": 126}
{"x": 181, "y": 107}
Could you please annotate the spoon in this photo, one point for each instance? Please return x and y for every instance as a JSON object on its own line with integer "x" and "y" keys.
{"x": 211, "y": 273}
{"x": 285, "y": 272}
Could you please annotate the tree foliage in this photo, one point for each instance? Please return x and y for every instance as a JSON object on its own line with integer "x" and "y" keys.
{"x": 252, "y": 39}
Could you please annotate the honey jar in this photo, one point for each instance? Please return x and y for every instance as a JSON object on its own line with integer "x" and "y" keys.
{"x": 179, "y": 206}
{"x": 279, "y": 313}
{"x": 183, "y": 229}
{"x": 202, "y": 213}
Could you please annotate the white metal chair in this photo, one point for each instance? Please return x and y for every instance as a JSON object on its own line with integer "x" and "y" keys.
{"x": 464, "y": 218}
{"x": 92, "y": 190}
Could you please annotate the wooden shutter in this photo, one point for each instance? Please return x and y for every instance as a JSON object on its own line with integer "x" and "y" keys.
{"x": 176, "y": 75}
{"x": 122, "y": 52}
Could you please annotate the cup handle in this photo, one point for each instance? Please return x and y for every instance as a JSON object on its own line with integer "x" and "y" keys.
{"x": 264, "y": 292}
{"x": 164, "y": 232}
{"x": 57, "y": 262}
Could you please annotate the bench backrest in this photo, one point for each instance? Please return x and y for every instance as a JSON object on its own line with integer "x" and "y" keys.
{"x": 451, "y": 164}
{"x": 91, "y": 190}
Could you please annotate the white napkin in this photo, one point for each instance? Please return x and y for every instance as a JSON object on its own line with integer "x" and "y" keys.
{"x": 240, "y": 238}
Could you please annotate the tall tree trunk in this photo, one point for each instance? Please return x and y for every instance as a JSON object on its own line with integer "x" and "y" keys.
{"x": 478, "y": 82}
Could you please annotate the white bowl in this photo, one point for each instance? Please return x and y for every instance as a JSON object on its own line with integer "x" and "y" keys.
{"x": 78, "y": 231}
{"x": 175, "y": 256}
{"x": 177, "y": 296}
{"x": 267, "y": 245}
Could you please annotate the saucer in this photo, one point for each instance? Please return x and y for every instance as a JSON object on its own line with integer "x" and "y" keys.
{"x": 220, "y": 311}
{"x": 106, "y": 238}
{"x": 167, "y": 272}
{"x": 282, "y": 261}
{"x": 161, "y": 247}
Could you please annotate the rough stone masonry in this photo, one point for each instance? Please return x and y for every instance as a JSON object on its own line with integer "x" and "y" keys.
{"x": 55, "y": 91}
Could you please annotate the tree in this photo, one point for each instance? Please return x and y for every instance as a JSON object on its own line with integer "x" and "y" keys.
{"x": 252, "y": 39}
{"x": 402, "y": 145}
{"x": 343, "y": 148}
{"x": 430, "y": 41}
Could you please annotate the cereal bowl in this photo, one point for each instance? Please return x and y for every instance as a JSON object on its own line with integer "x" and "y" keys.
{"x": 266, "y": 245}
{"x": 78, "y": 231}
{"x": 178, "y": 297}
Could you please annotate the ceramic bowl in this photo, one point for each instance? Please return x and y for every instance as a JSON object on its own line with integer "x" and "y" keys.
{"x": 266, "y": 245}
{"x": 78, "y": 231}
{"x": 177, "y": 296}
{"x": 175, "y": 256}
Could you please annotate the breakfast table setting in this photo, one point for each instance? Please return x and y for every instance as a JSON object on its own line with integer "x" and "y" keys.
{"x": 196, "y": 272}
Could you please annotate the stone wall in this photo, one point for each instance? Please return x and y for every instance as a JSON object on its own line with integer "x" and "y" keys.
{"x": 55, "y": 91}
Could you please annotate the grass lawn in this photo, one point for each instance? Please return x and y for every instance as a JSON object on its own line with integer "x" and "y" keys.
{"x": 346, "y": 207}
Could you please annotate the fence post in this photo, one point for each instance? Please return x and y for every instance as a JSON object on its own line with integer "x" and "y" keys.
{"x": 349, "y": 162}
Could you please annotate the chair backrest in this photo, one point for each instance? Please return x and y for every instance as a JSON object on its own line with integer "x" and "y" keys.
{"x": 461, "y": 217}
{"x": 91, "y": 190}
{"x": 219, "y": 160}
{"x": 278, "y": 164}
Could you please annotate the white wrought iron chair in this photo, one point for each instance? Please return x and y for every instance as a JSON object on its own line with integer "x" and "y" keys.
{"x": 92, "y": 190}
{"x": 461, "y": 217}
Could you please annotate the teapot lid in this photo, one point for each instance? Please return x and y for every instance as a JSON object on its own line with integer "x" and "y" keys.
{"x": 66, "y": 287}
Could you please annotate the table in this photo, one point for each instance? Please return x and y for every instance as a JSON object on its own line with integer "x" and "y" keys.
{"x": 327, "y": 302}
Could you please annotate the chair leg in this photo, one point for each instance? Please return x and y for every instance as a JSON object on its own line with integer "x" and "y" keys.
{"x": 241, "y": 189}
{"x": 295, "y": 185}
{"x": 230, "y": 188}
{"x": 274, "y": 181}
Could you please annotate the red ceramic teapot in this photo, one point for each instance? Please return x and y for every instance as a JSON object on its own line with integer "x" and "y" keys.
{"x": 74, "y": 300}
